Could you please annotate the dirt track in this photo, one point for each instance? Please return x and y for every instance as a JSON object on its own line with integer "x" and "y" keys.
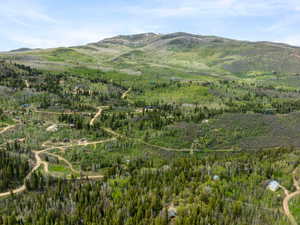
{"x": 27, "y": 84}
{"x": 40, "y": 162}
{"x": 100, "y": 109}
{"x": 110, "y": 131}
{"x": 296, "y": 55}
{"x": 125, "y": 94}
{"x": 64, "y": 160}
{"x": 20, "y": 189}
{"x": 165, "y": 148}
{"x": 286, "y": 206}
{"x": 60, "y": 113}
{"x": 289, "y": 196}
{"x": 7, "y": 128}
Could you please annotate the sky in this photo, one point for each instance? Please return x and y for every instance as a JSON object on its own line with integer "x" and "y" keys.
{"x": 55, "y": 23}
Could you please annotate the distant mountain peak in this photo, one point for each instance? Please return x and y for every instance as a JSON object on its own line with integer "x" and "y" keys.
{"x": 134, "y": 40}
{"x": 21, "y": 50}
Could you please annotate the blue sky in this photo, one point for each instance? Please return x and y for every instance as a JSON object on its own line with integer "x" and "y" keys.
{"x": 53, "y": 23}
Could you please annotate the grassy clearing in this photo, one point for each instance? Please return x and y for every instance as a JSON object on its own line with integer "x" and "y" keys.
{"x": 59, "y": 169}
{"x": 178, "y": 95}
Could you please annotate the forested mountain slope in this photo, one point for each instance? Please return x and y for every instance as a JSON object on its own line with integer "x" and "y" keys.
{"x": 174, "y": 129}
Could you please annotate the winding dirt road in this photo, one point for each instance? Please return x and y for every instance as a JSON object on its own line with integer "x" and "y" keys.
{"x": 100, "y": 110}
{"x": 64, "y": 160}
{"x": 286, "y": 207}
{"x": 164, "y": 148}
{"x": 40, "y": 162}
{"x": 118, "y": 135}
{"x": 7, "y": 128}
{"x": 60, "y": 113}
{"x": 290, "y": 196}
{"x": 296, "y": 55}
{"x": 125, "y": 94}
{"x": 20, "y": 189}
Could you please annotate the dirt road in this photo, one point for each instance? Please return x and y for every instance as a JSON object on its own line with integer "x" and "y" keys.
{"x": 72, "y": 168}
{"x": 125, "y": 94}
{"x": 108, "y": 130}
{"x": 60, "y": 113}
{"x": 40, "y": 162}
{"x": 100, "y": 109}
{"x": 64, "y": 160}
{"x": 290, "y": 196}
{"x": 286, "y": 207}
{"x": 20, "y": 189}
{"x": 165, "y": 148}
{"x": 296, "y": 55}
{"x": 7, "y": 128}
{"x": 27, "y": 84}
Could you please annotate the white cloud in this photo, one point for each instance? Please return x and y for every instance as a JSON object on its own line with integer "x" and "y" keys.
{"x": 219, "y": 8}
{"x": 161, "y": 12}
{"x": 21, "y": 16}
{"x": 226, "y": 3}
{"x": 23, "y": 12}
{"x": 292, "y": 40}
{"x": 60, "y": 37}
{"x": 181, "y": 11}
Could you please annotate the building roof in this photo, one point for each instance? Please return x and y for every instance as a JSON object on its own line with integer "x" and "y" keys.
{"x": 273, "y": 185}
{"x": 216, "y": 177}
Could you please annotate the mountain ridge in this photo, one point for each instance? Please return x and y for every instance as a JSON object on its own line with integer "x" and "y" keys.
{"x": 180, "y": 51}
{"x": 178, "y": 34}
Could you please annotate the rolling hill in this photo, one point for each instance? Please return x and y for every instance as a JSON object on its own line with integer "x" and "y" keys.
{"x": 166, "y": 53}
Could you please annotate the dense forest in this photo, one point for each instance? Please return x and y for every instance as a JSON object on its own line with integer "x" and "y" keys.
{"x": 140, "y": 194}
{"x": 13, "y": 169}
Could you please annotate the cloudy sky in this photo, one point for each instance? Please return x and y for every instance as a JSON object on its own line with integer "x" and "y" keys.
{"x": 52, "y": 23}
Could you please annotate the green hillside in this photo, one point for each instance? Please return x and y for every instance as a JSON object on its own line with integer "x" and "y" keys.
{"x": 180, "y": 52}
